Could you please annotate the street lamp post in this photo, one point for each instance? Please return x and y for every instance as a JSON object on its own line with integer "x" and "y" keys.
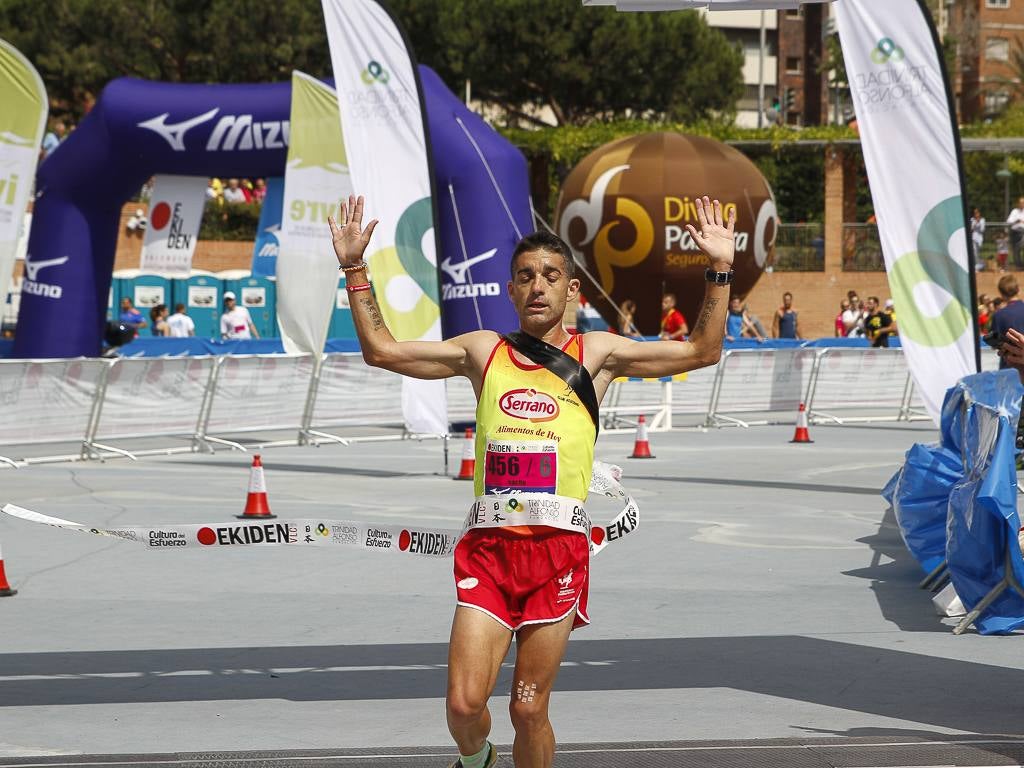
{"x": 1004, "y": 174}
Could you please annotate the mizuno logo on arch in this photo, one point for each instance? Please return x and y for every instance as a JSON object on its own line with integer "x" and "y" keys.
{"x": 232, "y": 132}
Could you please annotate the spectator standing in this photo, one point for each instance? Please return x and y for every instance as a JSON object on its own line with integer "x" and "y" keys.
{"x": 53, "y": 138}
{"x": 984, "y": 313}
{"x": 130, "y": 317}
{"x": 853, "y": 318}
{"x": 1016, "y": 223}
{"x": 840, "y": 326}
{"x": 180, "y": 325}
{"x": 890, "y": 307}
{"x": 236, "y": 323}
{"x": 1002, "y": 249}
{"x": 877, "y": 323}
{"x": 977, "y": 237}
{"x": 259, "y": 191}
{"x": 627, "y": 325}
{"x": 1011, "y": 315}
{"x": 737, "y": 323}
{"x": 158, "y": 320}
{"x": 233, "y": 192}
{"x": 785, "y": 325}
{"x": 673, "y": 324}
{"x": 215, "y": 191}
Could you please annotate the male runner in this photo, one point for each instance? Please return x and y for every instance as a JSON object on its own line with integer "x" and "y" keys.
{"x": 534, "y": 435}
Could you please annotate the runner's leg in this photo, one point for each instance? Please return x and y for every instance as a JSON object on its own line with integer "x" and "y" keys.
{"x": 539, "y": 651}
{"x": 477, "y": 648}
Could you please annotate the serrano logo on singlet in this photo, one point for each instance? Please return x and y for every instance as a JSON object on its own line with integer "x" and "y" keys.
{"x": 269, "y": 533}
{"x": 529, "y": 404}
{"x": 425, "y": 542}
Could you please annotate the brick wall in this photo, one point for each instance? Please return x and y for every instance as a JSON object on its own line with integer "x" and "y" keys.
{"x": 815, "y": 294}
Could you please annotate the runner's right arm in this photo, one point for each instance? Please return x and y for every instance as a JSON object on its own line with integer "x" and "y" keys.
{"x": 420, "y": 359}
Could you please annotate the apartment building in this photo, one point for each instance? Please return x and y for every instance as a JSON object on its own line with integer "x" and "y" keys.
{"x": 795, "y": 86}
{"x": 986, "y": 36}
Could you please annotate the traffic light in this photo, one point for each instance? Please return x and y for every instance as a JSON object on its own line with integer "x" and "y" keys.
{"x": 789, "y": 100}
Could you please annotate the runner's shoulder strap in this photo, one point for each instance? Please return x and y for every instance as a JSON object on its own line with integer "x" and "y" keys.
{"x": 564, "y": 366}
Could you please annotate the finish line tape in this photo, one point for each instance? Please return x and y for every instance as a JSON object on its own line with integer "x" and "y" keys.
{"x": 317, "y": 532}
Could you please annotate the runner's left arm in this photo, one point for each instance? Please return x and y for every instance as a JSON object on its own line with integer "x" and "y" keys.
{"x": 627, "y": 357}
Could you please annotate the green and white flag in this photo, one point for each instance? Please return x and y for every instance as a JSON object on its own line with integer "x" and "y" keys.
{"x": 315, "y": 181}
{"x": 383, "y": 121}
{"x": 23, "y": 111}
{"x": 912, "y": 153}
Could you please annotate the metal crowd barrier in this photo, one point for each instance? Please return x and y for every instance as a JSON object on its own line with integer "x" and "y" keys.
{"x": 201, "y": 402}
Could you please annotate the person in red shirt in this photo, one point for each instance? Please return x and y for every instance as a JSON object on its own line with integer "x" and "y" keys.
{"x": 840, "y": 326}
{"x": 673, "y": 324}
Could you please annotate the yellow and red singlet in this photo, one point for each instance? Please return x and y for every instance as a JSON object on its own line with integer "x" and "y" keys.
{"x": 533, "y": 433}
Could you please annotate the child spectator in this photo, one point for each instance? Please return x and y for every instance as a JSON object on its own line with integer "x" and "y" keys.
{"x": 1002, "y": 249}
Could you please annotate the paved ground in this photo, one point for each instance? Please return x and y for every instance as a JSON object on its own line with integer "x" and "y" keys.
{"x": 766, "y": 596}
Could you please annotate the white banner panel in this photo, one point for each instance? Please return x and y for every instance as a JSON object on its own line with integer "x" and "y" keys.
{"x": 175, "y": 214}
{"x": 764, "y": 380}
{"x": 860, "y": 382}
{"x": 259, "y": 392}
{"x": 47, "y": 401}
{"x": 23, "y": 109}
{"x": 315, "y": 180}
{"x": 910, "y": 149}
{"x": 153, "y": 396}
{"x": 385, "y": 142}
{"x": 379, "y": 394}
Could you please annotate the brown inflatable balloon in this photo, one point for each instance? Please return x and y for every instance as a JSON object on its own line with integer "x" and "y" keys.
{"x": 624, "y": 208}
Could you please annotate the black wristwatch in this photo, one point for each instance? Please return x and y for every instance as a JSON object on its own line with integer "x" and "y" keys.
{"x": 718, "y": 278}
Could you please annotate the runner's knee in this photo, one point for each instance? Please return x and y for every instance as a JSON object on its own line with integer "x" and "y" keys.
{"x": 465, "y": 706}
{"x": 529, "y": 709}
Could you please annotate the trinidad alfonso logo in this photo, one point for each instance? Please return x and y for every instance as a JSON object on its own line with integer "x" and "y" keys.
{"x": 886, "y": 51}
{"x": 529, "y": 404}
{"x": 375, "y": 73}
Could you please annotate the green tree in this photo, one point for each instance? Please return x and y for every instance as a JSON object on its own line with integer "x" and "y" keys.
{"x": 78, "y": 46}
{"x": 584, "y": 64}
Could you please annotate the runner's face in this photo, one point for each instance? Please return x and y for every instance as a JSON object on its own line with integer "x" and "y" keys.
{"x": 540, "y": 289}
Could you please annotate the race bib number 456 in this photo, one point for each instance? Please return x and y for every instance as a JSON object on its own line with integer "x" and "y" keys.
{"x": 528, "y": 466}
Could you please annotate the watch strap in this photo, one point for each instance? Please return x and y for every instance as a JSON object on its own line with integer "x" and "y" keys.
{"x": 719, "y": 278}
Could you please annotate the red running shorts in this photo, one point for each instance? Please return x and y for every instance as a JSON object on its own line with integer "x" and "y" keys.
{"x": 520, "y": 580}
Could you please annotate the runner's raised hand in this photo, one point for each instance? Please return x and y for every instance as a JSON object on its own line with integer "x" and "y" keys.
{"x": 716, "y": 238}
{"x": 350, "y": 239}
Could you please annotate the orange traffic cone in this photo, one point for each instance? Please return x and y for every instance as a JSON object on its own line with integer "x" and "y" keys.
{"x": 468, "y": 467}
{"x": 801, "y": 435}
{"x": 5, "y": 588}
{"x": 641, "y": 446}
{"x": 256, "y": 504}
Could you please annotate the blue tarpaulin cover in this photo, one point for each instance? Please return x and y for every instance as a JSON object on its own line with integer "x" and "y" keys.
{"x": 956, "y": 500}
{"x": 982, "y": 522}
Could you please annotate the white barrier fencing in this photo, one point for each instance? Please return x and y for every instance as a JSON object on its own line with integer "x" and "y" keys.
{"x": 204, "y": 400}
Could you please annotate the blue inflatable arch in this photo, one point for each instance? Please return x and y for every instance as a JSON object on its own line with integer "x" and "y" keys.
{"x": 137, "y": 129}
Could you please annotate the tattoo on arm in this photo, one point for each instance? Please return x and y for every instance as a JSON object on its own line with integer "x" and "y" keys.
{"x": 705, "y": 314}
{"x": 371, "y": 309}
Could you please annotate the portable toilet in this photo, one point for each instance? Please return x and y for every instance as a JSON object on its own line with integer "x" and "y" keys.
{"x": 256, "y": 294}
{"x": 121, "y": 285}
{"x": 201, "y": 293}
{"x": 342, "y": 326}
{"x": 150, "y": 290}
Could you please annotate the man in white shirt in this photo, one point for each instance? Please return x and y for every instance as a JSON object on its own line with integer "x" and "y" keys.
{"x": 236, "y": 323}
{"x": 233, "y": 192}
{"x": 180, "y": 325}
{"x": 1016, "y": 223}
{"x": 853, "y": 317}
